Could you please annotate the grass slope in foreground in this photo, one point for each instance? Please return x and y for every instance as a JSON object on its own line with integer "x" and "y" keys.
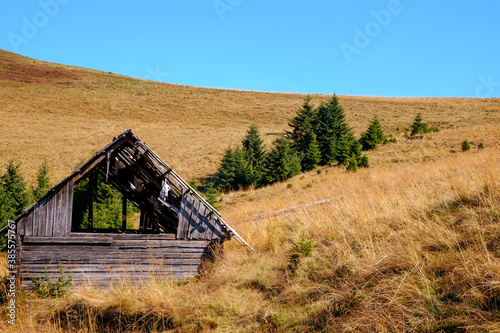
{"x": 414, "y": 248}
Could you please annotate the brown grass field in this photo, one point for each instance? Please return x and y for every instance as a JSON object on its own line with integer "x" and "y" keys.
{"x": 411, "y": 244}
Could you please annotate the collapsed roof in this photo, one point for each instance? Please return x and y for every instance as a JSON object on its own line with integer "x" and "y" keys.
{"x": 167, "y": 202}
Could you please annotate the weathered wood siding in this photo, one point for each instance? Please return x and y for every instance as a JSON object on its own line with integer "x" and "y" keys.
{"x": 105, "y": 258}
{"x": 50, "y": 216}
{"x": 197, "y": 222}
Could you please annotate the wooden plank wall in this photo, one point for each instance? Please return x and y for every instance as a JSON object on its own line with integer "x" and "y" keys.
{"x": 184, "y": 217}
{"x": 101, "y": 261}
{"x": 51, "y": 216}
{"x": 197, "y": 222}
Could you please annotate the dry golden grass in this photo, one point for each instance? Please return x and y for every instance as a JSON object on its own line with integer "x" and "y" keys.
{"x": 67, "y": 113}
{"x": 413, "y": 248}
{"x": 411, "y": 244}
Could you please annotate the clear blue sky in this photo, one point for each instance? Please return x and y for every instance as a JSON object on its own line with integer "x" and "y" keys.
{"x": 384, "y": 48}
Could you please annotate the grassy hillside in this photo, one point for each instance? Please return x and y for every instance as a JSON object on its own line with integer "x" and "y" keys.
{"x": 411, "y": 244}
{"x": 414, "y": 248}
{"x": 67, "y": 113}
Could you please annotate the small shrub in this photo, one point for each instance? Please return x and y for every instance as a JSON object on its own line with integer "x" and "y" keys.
{"x": 212, "y": 195}
{"x": 465, "y": 145}
{"x": 419, "y": 127}
{"x": 352, "y": 164}
{"x": 390, "y": 139}
{"x": 44, "y": 288}
{"x": 303, "y": 248}
{"x": 289, "y": 185}
{"x": 319, "y": 171}
{"x": 363, "y": 162}
{"x": 193, "y": 183}
{"x": 480, "y": 146}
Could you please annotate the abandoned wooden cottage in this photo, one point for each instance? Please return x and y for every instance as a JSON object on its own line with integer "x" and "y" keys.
{"x": 165, "y": 229}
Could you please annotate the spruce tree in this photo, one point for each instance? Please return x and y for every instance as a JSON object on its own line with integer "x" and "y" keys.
{"x": 254, "y": 151}
{"x": 107, "y": 204}
{"x": 245, "y": 174}
{"x": 312, "y": 154}
{"x": 212, "y": 194}
{"x": 16, "y": 196}
{"x": 352, "y": 164}
{"x": 7, "y": 210}
{"x": 234, "y": 171}
{"x": 355, "y": 148}
{"x": 300, "y": 124}
{"x": 281, "y": 163}
{"x": 373, "y": 136}
{"x": 418, "y": 126}
{"x": 253, "y": 146}
{"x": 342, "y": 151}
{"x": 225, "y": 178}
{"x": 193, "y": 183}
{"x": 347, "y": 147}
{"x": 465, "y": 145}
{"x": 42, "y": 181}
{"x": 363, "y": 162}
{"x": 330, "y": 125}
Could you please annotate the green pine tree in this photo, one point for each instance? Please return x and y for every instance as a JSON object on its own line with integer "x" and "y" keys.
{"x": 245, "y": 172}
{"x": 465, "y": 145}
{"x": 107, "y": 204}
{"x": 7, "y": 210}
{"x": 193, "y": 183}
{"x": 342, "y": 151}
{"x": 43, "y": 183}
{"x": 363, "y": 162}
{"x": 253, "y": 146}
{"x": 225, "y": 178}
{"x": 281, "y": 163}
{"x": 300, "y": 124}
{"x": 254, "y": 152}
{"x": 418, "y": 126}
{"x": 347, "y": 147}
{"x": 312, "y": 154}
{"x": 373, "y": 136}
{"x": 234, "y": 171}
{"x": 14, "y": 197}
{"x": 330, "y": 125}
{"x": 212, "y": 194}
{"x": 355, "y": 148}
{"x": 352, "y": 164}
